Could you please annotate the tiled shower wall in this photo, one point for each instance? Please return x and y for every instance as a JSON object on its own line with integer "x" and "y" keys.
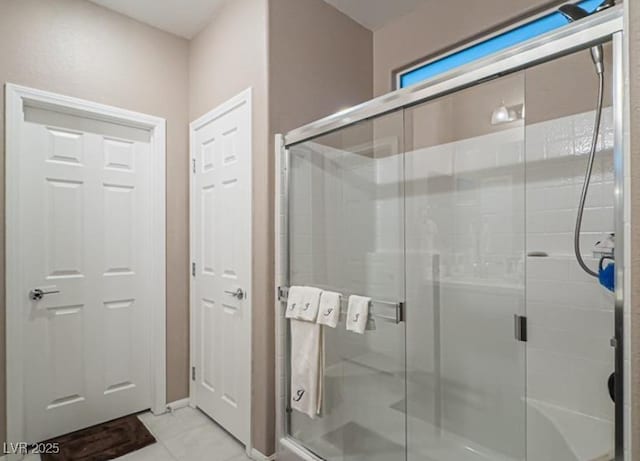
{"x": 334, "y": 208}
{"x": 569, "y": 356}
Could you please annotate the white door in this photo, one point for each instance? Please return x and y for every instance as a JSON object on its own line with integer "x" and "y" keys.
{"x": 221, "y": 252}
{"x": 84, "y": 224}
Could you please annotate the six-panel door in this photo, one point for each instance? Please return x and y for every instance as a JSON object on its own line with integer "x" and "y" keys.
{"x": 221, "y": 219}
{"x": 84, "y": 228}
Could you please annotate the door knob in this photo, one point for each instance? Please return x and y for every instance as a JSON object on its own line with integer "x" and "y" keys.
{"x": 236, "y": 294}
{"x": 37, "y": 294}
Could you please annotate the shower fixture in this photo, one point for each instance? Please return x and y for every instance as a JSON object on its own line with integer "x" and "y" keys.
{"x": 501, "y": 115}
{"x": 507, "y": 114}
{"x": 574, "y": 13}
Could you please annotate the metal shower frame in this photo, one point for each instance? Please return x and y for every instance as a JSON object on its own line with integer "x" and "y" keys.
{"x": 607, "y": 26}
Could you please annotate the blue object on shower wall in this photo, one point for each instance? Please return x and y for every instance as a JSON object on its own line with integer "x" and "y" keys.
{"x": 492, "y": 45}
{"x": 607, "y": 277}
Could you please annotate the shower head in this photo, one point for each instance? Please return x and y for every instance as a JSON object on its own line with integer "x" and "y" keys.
{"x": 606, "y": 4}
{"x": 574, "y": 13}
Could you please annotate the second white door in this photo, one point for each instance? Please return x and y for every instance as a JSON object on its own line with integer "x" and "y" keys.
{"x": 221, "y": 270}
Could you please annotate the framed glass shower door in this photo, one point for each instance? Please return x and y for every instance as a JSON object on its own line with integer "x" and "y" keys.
{"x": 346, "y": 234}
{"x": 571, "y": 414}
{"x": 465, "y": 254}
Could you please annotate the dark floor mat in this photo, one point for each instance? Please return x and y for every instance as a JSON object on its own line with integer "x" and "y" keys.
{"x": 102, "y": 442}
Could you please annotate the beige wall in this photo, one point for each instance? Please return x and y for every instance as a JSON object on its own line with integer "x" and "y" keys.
{"x": 634, "y": 79}
{"x": 76, "y": 48}
{"x": 435, "y": 26}
{"x": 320, "y": 61}
{"x": 228, "y": 56}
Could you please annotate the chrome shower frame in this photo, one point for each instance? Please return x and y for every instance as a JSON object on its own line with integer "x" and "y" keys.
{"x": 607, "y": 26}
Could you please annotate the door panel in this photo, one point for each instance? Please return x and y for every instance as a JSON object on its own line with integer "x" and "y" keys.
{"x": 64, "y": 225}
{"x": 210, "y": 346}
{"x": 465, "y": 276}
{"x": 346, "y": 234}
{"x": 120, "y": 343}
{"x": 221, "y": 251}
{"x": 66, "y": 358}
{"x": 118, "y": 245}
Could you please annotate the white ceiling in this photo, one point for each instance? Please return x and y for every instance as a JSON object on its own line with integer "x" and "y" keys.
{"x": 373, "y": 14}
{"x": 180, "y": 17}
{"x": 186, "y": 18}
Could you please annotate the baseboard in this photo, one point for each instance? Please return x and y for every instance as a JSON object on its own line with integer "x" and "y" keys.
{"x": 173, "y": 406}
{"x": 257, "y": 456}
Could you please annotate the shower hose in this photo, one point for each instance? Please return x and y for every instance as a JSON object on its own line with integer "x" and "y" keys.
{"x": 587, "y": 179}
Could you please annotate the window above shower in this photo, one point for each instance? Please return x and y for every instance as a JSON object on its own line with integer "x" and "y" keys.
{"x": 502, "y": 40}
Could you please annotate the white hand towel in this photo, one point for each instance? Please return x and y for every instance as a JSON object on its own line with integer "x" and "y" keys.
{"x": 294, "y": 300}
{"x": 358, "y": 313}
{"x": 329, "y": 312}
{"x": 307, "y": 367}
{"x": 308, "y": 308}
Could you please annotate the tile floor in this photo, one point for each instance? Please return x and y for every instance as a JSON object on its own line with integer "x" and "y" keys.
{"x": 184, "y": 435}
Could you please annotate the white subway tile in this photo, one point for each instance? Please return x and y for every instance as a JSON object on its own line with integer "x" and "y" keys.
{"x": 547, "y": 268}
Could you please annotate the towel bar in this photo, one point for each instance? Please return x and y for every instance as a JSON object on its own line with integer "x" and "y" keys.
{"x": 283, "y": 293}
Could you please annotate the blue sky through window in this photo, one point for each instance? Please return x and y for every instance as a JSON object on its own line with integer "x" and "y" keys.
{"x": 492, "y": 45}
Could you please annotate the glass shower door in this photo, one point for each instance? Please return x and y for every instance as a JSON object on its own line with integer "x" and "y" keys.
{"x": 465, "y": 252}
{"x": 346, "y": 231}
{"x": 571, "y": 317}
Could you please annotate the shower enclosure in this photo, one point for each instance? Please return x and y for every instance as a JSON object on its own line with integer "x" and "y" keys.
{"x": 452, "y": 206}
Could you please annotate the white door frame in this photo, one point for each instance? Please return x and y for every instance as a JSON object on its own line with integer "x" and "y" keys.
{"x": 244, "y": 96}
{"x": 17, "y": 97}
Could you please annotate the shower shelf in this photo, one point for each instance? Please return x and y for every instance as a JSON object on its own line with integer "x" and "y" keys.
{"x": 283, "y": 293}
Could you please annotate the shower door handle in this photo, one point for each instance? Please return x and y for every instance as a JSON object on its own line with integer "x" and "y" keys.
{"x": 520, "y": 327}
